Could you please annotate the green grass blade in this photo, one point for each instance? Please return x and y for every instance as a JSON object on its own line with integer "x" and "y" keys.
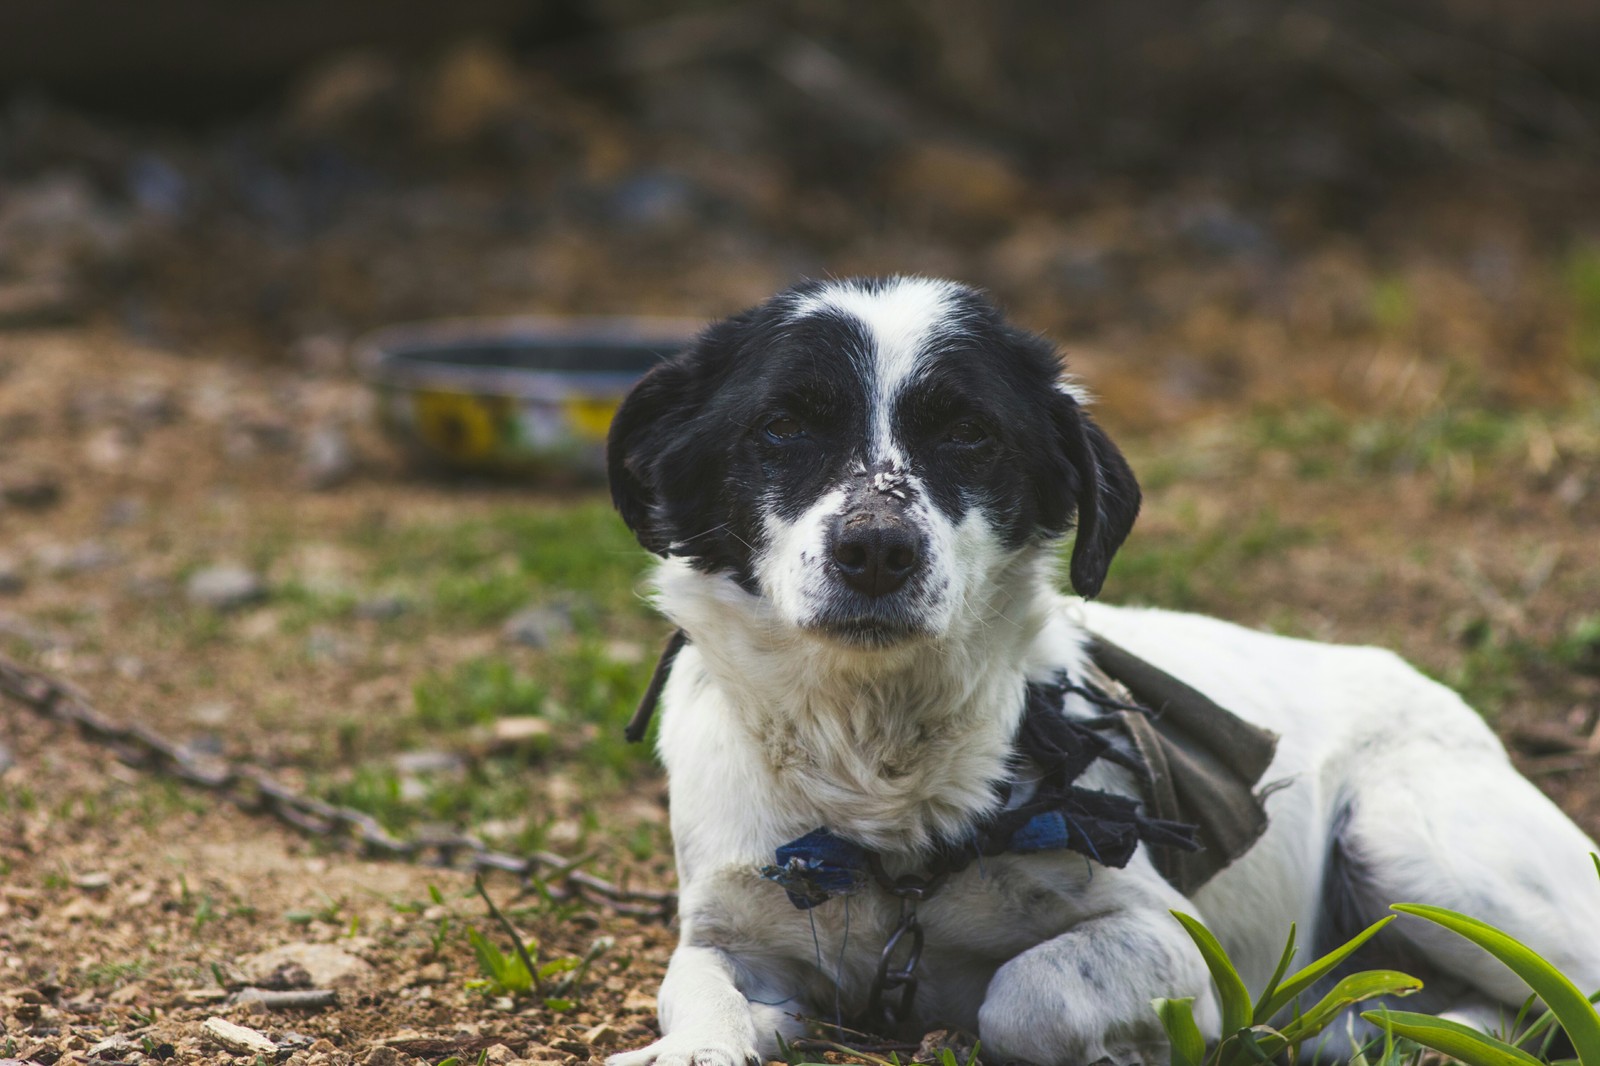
{"x": 1188, "y": 1046}
{"x": 1233, "y": 996}
{"x": 1571, "y": 1007}
{"x": 1369, "y": 984}
{"x": 1277, "y": 976}
{"x": 490, "y": 959}
{"x": 1451, "y": 1038}
{"x": 1310, "y": 975}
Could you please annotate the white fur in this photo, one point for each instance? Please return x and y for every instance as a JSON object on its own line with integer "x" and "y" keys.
{"x": 769, "y": 730}
{"x": 901, "y": 318}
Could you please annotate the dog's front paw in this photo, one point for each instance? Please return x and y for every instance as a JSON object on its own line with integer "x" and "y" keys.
{"x": 688, "y": 1049}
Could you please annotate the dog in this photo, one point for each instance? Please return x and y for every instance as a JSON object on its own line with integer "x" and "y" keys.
{"x": 859, "y": 491}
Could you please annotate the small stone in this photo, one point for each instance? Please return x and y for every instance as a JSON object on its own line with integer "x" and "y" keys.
{"x": 11, "y": 579}
{"x": 114, "y": 1047}
{"x": 64, "y": 560}
{"x": 32, "y": 490}
{"x": 225, "y": 588}
{"x": 537, "y": 627}
{"x": 518, "y": 731}
{"x": 637, "y": 1000}
{"x": 429, "y": 762}
{"x": 123, "y": 511}
{"x": 326, "y": 458}
{"x": 383, "y": 1055}
{"x": 237, "y": 1038}
{"x": 382, "y": 608}
{"x": 498, "y": 1054}
{"x": 93, "y": 882}
{"x": 603, "y": 1035}
{"x": 934, "y": 1045}
{"x": 327, "y": 965}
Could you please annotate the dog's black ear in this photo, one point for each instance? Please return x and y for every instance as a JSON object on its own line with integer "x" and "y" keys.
{"x": 1107, "y": 497}
{"x": 654, "y": 413}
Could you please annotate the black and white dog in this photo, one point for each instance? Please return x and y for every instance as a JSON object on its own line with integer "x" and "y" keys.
{"x": 857, "y": 490}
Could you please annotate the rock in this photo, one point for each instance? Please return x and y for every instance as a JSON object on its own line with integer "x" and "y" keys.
{"x": 327, "y": 965}
{"x": 382, "y": 608}
{"x": 31, "y": 489}
{"x": 538, "y": 626}
{"x": 603, "y": 1035}
{"x": 123, "y": 511}
{"x": 497, "y": 1055}
{"x": 934, "y": 1045}
{"x": 11, "y": 579}
{"x": 517, "y": 731}
{"x": 326, "y": 458}
{"x": 383, "y": 1055}
{"x": 237, "y": 1038}
{"x": 225, "y": 588}
{"x": 638, "y": 1000}
{"x": 63, "y": 560}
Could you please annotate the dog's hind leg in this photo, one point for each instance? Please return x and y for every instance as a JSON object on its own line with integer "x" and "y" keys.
{"x": 1462, "y": 830}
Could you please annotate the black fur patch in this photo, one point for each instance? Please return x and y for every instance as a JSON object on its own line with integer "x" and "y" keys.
{"x": 705, "y": 448}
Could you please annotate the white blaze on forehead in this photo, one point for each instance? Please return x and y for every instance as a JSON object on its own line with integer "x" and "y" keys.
{"x": 901, "y": 316}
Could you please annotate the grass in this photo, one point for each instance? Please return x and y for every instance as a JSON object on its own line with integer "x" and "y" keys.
{"x": 1194, "y": 568}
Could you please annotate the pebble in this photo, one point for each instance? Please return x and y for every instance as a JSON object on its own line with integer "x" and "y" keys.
{"x": 32, "y": 490}
{"x": 517, "y": 730}
{"x": 537, "y": 627}
{"x": 382, "y": 608}
{"x": 327, "y": 965}
{"x": 237, "y": 1038}
{"x": 63, "y": 560}
{"x": 326, "y": 458}
{"x": 225, "y": 588}
{"x": 11, "y": 579}
{"x": 603, "y": 1035}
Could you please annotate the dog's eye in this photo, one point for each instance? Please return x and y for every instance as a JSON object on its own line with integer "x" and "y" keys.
{"x": 968, "y": 433}
{"x": 784, "y": 428}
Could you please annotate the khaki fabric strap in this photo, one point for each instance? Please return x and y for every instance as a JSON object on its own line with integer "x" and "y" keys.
{"x": 1204, "y": 765}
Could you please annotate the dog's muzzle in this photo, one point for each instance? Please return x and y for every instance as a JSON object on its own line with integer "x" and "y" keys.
{"x": 873, "y": 548}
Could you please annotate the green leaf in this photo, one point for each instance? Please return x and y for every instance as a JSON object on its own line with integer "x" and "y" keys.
{"x": 1367, "y": 984}
{"x": 559, "y": 1005}
{"x": 1177, "y": 1018}
{"x": 559, "y": 966}
{"x": 1571, "y": 1007}
{"x": 1233, "y": 996}
{"x": 1451, "y": 1038}
{"x": 490, "y": 960}
{"x": 1310, "y": 975}
{"x": 1277, "y": 976}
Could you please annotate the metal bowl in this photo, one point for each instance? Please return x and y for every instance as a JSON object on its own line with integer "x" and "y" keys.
{"x": 512, "y": 395}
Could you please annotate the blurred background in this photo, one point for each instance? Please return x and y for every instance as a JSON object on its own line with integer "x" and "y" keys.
{"x": 1332, "y": 269}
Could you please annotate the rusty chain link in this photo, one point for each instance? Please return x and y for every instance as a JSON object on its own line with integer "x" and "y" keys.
{"x": 255, "y": 791}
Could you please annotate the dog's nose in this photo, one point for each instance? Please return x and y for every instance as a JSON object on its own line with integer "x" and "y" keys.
{"x": 874, "y": 553}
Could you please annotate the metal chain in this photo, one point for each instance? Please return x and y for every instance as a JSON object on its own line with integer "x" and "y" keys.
{"x": 255, "y": 791}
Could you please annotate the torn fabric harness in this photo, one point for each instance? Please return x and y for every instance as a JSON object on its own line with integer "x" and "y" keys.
{"x": 1197, "y": 765}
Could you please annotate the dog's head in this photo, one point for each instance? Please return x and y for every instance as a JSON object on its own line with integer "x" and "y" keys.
{"x": 869, "y": 456}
